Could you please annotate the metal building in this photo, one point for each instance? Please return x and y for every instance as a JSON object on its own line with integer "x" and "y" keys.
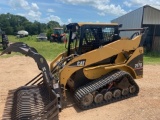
{"x": 145, "y": 16}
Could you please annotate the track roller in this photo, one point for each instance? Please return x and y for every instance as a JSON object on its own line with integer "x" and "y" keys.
{"x": 125, "y": 91}
{"x": 98, "y": 98}
{"x": 108, "y": 95}
{"x": 132, "y": 89}
{"x": 87, "y": 100}
{"x": 117, "y": 93}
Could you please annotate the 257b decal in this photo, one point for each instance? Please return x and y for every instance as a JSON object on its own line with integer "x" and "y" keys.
{"x": 138, "y": 65}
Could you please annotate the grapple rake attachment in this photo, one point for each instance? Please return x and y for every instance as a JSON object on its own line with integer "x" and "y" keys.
{"x": 37, "y": 100}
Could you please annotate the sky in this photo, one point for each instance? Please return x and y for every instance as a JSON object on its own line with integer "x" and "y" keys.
{"x": 67, "y": 11}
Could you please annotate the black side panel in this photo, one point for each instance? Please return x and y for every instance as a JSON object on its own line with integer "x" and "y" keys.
{"x": 109, "y": 60}
{"x": 137, "y": 64}
{"x": 79, "y": 79}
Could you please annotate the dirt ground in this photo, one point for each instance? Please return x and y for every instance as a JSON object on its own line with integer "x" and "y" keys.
{"x": 16, "y": 71}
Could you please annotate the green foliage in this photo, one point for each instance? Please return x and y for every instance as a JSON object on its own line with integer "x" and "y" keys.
{"x": 11, "y": 24}
{"x": 52, "y": 24}
{"x": 49, "y": 32}
{"x": 151, "y": 58}
{"x": 152, "y": 54}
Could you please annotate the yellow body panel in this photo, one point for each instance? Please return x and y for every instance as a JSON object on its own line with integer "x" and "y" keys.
{"x": 98, "y": 71}
{"x": 100, "y": 54}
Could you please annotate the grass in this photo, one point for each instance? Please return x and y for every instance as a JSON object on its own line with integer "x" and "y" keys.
{"x": 51, "y": 50}
{"x": 152, "y": 58}
{"x": 45, "y": 48}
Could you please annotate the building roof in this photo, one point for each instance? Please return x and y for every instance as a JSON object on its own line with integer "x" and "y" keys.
{"x": 151, "y": 15}
{"x": 151, "y": 7}
{"x": 145, "y": 15}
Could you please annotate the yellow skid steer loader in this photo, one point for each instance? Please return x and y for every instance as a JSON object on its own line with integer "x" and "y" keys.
{"x": 99, "y": 66}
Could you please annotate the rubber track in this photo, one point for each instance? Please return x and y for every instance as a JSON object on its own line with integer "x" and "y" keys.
{"x": 100, "y": 83}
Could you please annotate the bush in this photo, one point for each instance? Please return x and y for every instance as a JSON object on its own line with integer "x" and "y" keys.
{"x": 49, "y": 32}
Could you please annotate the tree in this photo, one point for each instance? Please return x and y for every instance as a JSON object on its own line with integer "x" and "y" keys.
{"x": 52, "y": 24}
{"x": 13, "y": 23}
{"x": 9, "y": 30}
{"x": 49, "y": 32}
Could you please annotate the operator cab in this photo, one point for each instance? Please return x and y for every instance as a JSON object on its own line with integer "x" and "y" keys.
{"x": 84, "y": 37}
{"x": 58, "y": 31}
